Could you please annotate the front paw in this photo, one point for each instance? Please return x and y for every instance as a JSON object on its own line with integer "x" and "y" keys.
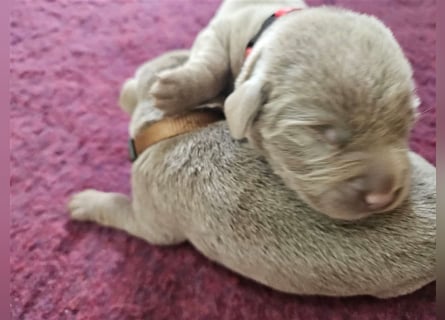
{"x": 173, "y": 91}
{"x": 84, "y": 205}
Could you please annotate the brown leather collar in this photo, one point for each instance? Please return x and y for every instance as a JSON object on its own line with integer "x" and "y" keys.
{"x": 172, "y": 126}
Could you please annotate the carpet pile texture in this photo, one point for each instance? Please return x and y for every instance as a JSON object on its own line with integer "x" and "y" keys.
{"x": 67, "y": 61}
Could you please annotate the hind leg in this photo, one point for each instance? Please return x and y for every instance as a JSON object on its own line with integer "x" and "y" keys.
{"x": 116, "y": 210}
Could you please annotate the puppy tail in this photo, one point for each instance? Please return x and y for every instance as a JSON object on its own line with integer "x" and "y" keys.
{"x": 128, "y": 96}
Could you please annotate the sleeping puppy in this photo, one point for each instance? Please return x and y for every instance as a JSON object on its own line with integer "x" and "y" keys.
{"x": 223, "y": 197}
{"x": 325, "y": 94}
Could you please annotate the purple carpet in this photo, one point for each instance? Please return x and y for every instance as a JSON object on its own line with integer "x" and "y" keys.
{"x": 68, "y": 60}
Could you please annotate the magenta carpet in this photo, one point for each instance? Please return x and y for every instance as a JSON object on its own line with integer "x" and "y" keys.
{"x": 68, "y": 59}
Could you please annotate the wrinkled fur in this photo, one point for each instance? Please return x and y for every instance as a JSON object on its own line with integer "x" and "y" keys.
{"x": 223, "y": 197}
{"x": 324, "y": 93}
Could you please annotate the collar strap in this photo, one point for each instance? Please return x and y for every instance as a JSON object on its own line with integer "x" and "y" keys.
{"x": 170, "y": 127}
{"x": 265, "y": 25}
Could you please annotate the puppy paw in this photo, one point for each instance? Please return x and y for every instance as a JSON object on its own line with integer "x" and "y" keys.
{"x": 173, "y": 92}
{"x": 86, "y": 204}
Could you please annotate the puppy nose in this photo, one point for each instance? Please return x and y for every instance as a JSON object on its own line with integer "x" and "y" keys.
{"x": 379, "y": 190}
{"x": 376, "y": 189}
{"x": 379, "y": 200}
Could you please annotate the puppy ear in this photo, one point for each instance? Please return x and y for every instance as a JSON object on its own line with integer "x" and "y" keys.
{"x": 242, "y": 106}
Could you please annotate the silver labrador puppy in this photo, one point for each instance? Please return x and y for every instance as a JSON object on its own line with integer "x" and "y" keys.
{"x": 223, "y": 197}
{"x": 324, "y": 93}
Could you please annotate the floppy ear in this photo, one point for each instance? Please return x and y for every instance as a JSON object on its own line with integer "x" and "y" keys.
{"x": 242, "y": 106}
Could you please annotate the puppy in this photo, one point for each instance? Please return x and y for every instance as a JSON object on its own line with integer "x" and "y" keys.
{"x": 223, "y": 197}
{"x": 325, "y": 94}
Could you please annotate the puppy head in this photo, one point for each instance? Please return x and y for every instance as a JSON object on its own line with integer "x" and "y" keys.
{"x": 327, "y": 95}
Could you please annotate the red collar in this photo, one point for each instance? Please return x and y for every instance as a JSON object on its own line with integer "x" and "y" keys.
{"x": 267, "y": 23}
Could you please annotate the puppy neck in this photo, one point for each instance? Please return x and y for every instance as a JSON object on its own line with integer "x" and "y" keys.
{"x": 171, "y": 126}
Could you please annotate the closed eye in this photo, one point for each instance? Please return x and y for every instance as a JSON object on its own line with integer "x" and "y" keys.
{"x": 334, "y": 135}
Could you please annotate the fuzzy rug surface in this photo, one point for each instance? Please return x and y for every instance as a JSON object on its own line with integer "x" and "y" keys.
{"x": 68, "y": 60}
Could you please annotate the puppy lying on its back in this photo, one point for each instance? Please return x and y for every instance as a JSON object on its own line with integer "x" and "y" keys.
{"x": 326, "y": 94}
{"x": 223, "y": 197}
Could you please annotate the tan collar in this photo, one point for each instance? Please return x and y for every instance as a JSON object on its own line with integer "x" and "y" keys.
{"x": 172, "y": 126}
